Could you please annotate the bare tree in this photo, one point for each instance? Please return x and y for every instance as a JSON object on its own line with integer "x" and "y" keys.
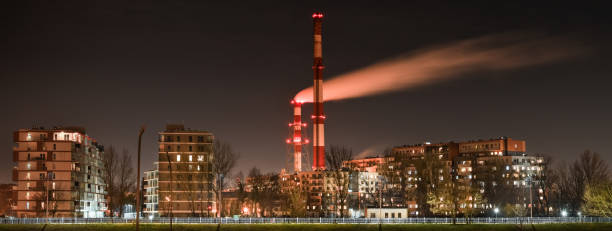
{"x": 255, "y": 180}
{"x": 224, "y": 160}
{"x": 335, "y": 158}
{"x": 573, "y": 179}
{"x": 111, "y": 163}
{"x": 125, "y": 181}
{"x": 594, "y": 170}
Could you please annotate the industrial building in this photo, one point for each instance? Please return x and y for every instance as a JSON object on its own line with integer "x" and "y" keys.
{"x": 59, "y": 173}
{"x": 184, "y": 173}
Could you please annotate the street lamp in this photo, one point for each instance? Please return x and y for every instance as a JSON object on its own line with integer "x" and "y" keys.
{"x": 496, "y": 210}
{"x": 564, "y": 213}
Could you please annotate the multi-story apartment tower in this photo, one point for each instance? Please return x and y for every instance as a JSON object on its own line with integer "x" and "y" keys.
{"x": 151, "y": 196}
{"x": 185, "y": 176}
{"x": 59, "y": 173}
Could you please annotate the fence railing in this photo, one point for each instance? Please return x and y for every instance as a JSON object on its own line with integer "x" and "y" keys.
{"x": 247, "y": 220}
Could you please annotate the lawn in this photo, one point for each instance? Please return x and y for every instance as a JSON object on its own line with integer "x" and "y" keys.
{"x": 308, "y": 227}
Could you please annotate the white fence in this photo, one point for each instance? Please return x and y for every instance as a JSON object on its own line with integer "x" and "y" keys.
{"x": 204, "y": 220}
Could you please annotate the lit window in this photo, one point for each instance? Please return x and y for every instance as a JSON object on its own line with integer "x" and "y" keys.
{"x": 27, "y": 205}
{"x": 29, "y": 137}
{"x": 29, "y": 166}
{"x": 178, "y": 158}
{"x": 28, "y": 176}
{"x": 200, "y": 157}
{"x": 27, "y": 195}
{"x": 190, "y": 158}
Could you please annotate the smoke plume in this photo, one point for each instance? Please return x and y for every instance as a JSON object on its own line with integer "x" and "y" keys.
{"x": 490, "y": 53}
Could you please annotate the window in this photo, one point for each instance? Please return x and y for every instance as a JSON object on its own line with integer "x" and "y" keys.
{"x": 386, "y": 215}
{"x": 29, "y": 166}
{"x": 178, "y": 139}
{"x": 190, "y": 157}
{"x": 53, "y": 186}
{"x": 28, "y": 205}
{"x": 28, "y": 156}
{"x": 28, "y": 176}
{"x": 54, "y": 146}
{"x": 27, "y": 195}
{"x": 178, "y": 148}
{"x": 28, "y": 186}
{"x": 200, "y": 139}
{"x": 190, "y": 139}
{"x": 54, "y": 156}
{"x": 178, "y": 158}
{"x": 200, "y": 157}
{"x": 399, "y": 215}
{"x": 190, "y": 148}
{"x": 372, "y": 215}
{"x": 392, "y": 215}
{"x": 168, "y": 148}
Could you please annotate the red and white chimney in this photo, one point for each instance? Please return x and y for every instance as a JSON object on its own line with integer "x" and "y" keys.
{"x": 318, "y": 139}
{"x": 297, "y": 139}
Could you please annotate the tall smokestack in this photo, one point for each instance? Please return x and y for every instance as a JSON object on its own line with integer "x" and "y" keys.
{"x": 297, "y": 139}
{"x": 318, "y": 116}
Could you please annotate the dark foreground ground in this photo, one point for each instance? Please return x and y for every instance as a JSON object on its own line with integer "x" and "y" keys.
{"x": 308, "y": 227}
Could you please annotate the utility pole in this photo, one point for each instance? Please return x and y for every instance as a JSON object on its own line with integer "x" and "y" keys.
{"x": 530, "y": 198}
{"x": 380, "y": 192}
{"x": 142, "y": 129}
{"x": 169, "y": 199}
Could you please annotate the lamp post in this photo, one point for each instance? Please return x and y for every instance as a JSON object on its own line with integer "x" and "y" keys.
{"x": 142, "y": 129}
{"x": 496, "y": 210}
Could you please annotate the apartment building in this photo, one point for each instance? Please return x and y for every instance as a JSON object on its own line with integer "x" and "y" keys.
{"x": 59, "y": 173}
{"x": 474, "y": 166}
{"x": 185, "y": 178}
{"x": 151, "y": 194}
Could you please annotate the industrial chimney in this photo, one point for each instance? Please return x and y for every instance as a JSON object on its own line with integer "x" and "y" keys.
{"x": 318, "y": 116}
{"x": 297, "y": 139}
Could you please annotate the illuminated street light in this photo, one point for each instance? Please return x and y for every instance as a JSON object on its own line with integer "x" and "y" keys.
{"x": 564, "y": 213}
{"x": 496, "y": 210}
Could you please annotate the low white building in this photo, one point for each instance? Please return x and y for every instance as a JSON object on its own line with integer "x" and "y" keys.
{"x": 386, "y": 212}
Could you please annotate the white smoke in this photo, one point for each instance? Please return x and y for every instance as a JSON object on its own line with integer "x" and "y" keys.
{"x": 497, "y": 52}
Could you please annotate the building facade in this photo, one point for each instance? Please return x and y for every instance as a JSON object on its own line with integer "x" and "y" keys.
{"x": 151, "y": 194}
{"x": 185, "y": 178}
{"x": 481, "y": 175}
{"x": 59, "y": 173}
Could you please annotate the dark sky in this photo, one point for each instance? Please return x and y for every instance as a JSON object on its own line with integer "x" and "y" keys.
{"x": 231, "y": 68}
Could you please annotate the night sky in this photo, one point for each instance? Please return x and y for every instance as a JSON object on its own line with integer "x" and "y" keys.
{"x": 231, "y": 68}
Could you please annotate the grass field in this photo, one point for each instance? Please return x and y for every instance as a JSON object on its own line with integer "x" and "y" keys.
{"x": 308, "y": 227}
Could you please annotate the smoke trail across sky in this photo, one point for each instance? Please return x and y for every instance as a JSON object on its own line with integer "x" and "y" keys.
{"x": 495, "y": 52}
